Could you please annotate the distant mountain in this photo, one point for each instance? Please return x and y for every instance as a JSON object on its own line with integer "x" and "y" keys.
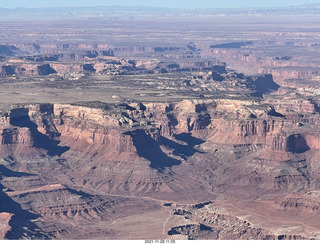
{"x": 142, "y": 11}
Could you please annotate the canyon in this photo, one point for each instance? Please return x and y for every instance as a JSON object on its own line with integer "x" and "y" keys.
{"x": 160, "y": 128}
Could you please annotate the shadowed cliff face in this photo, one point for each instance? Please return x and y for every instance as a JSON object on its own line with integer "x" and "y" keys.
{"x": 182, "y": 150}
{"x": 8, "y": 136}
{"x": 8, "y": 50}
{"x": 46, "y": 70}
{"x": 20, "y": 117}
{"x": 8, "y": 70}
{"x": 20, "y": 223}
{"x": 262, "y": 84}
{"x": 297, "y": 144}
{"x": 189, "y": 139}
{"x": 265, "y": 84}
{"x": 149, "y": 148}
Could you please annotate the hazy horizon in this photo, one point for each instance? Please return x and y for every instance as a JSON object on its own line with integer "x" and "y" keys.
{"x": 189, "y": 4}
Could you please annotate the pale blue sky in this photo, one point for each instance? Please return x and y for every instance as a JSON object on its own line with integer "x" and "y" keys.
{"x": 155, "y": 3}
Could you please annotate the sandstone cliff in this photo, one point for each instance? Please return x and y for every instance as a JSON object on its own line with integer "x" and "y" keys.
{"x": 192, "y": 150}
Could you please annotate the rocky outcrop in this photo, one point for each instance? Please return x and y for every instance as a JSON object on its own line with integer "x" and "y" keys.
{"x": 287, "y": 73}
{"x": 8, "y": 70}
{"x": 192, "y": 149}
{"x": 5, "y": 226}
{"x": 45, "y": 70}
{"x": 281, "y": 68}
{"x": 114, "y": 125}
{"x": 8, "y": 50}
{"x": 214, "y": 223}
{"x": 13, "y": 136}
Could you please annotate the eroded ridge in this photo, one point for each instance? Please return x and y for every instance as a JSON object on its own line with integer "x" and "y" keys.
{"x": 188, "y": 151}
